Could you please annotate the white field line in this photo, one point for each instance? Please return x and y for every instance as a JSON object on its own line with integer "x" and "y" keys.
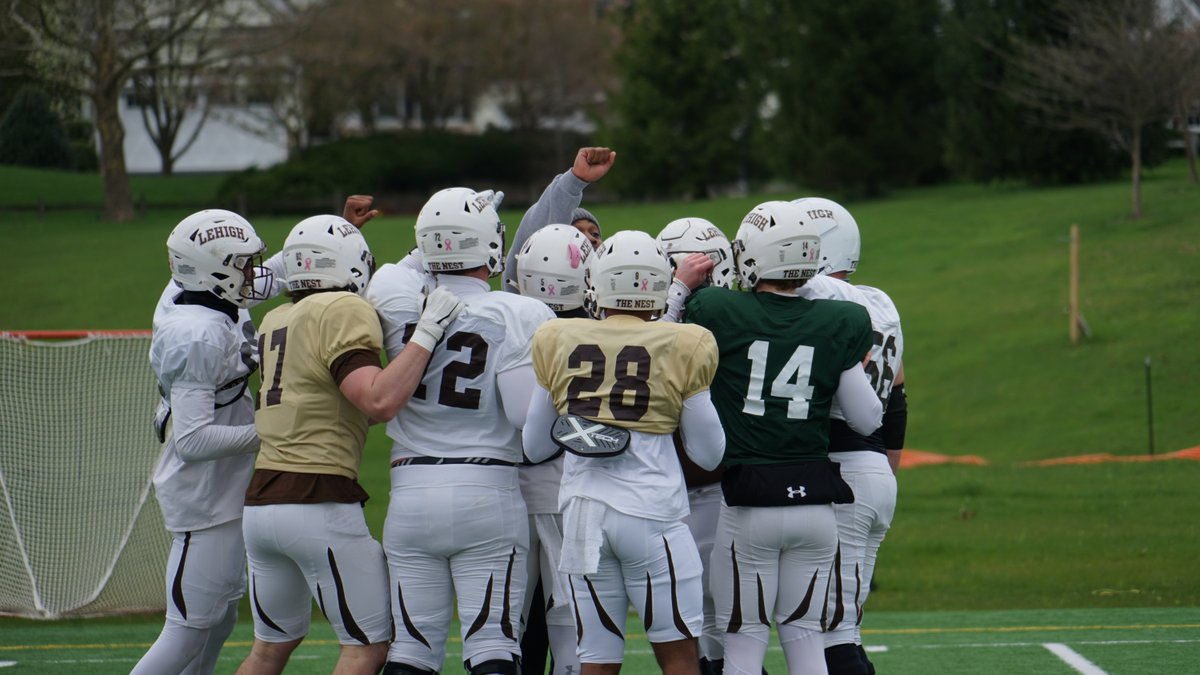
{"x": 1074, "y": 659}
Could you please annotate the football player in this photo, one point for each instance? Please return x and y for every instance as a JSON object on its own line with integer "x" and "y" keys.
{"x": 559, "y": 203}
{"x": 202, "y": 353}
{"x": 702, "y": 256}
{"x": 322, "y": 383}
{"x": 457, "y": 524}
{"x": 784, "y": 359}
{"x": 630, "y": 378}
{"x": 551, "y": 267}
{"x": 867, "y": 463}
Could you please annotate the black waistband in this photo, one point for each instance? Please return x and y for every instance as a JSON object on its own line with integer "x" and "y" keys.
{"x": 479, "y": 461}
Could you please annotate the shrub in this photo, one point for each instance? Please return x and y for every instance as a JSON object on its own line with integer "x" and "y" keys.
{"x": 31, "y": 134}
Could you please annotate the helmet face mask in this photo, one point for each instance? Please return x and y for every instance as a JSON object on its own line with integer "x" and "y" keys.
{"x": 458, "y": 229}
{"x": 630, "y": 272}
{"x": 841, "y": 244}
{"x": 776, "y": 242}
{"x": 325, "y": 253}
{"x": 217, "y": 251}
{"x": 683, "y": 237}
{"x": 552, "y": 267}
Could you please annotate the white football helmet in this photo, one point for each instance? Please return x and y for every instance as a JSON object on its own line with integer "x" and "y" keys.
{"x": 685, "y": 236}
{"x": 219, "y": 252}
{"x": 840, "y": 242}
{"x": 552, "y": 267}
{"x": 776, "y": 241}
{"x": 325, "y": 253}
{"x": 629, "y": 272}
{"x": 459, "y": 229}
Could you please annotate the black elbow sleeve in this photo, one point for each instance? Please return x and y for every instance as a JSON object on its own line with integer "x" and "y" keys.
{"x": 895, "y": 419}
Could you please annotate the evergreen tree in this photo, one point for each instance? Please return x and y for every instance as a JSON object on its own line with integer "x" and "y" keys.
{"x": 859, "y": 104}
{"x": 684, "y": 111}
{"x": 989, "y": 136}
{"x": 31, "y": 134}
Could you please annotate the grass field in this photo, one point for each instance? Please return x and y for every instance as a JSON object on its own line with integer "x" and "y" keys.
{"x": 1128, "y": 642}
{"x": 980, "y": 277}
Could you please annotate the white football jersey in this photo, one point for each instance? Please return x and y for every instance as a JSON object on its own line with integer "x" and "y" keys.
{"x": 888, "y": 341}
{"x": 197, "y": 347}
{"x": 540, "y": 484}
{"x": 457, "y": 410}
{"x": 888, "y": 350}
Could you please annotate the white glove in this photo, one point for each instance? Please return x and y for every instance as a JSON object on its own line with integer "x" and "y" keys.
{"x": 441, "y": 307}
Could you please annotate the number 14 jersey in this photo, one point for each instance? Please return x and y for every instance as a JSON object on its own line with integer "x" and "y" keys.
{"x": 781, "y": 361}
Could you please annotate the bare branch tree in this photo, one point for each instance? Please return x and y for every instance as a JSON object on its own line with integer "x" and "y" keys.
{"x": 1111, "y": 74}
{"x": 1186, "y": 101}
{"x": 93, "y": 47}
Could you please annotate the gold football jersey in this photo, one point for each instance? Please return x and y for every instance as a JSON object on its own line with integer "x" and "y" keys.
{"x": 305, "y": 423}
{"x": 624, "y": 371}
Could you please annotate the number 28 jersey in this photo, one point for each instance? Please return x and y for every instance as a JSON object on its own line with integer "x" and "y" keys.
{"x": 781, "y": 358}
{"x": 624, "y": 371}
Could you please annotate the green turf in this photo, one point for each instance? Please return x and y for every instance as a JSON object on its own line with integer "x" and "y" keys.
{"x": 1126, "y": 641}
{"x": 980, "y": 277}
{"x": 32, "y": 189}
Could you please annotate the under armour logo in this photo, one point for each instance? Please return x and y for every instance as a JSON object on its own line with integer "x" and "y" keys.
{"x": 792, "y": 493}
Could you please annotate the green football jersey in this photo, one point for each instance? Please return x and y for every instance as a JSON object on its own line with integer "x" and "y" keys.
{"x": 780, "y": 361}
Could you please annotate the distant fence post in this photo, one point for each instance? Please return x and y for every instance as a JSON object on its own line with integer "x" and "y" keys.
{"x": 1073, "y": 293}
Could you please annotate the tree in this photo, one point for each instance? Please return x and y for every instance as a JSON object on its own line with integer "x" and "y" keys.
{"x": 1112, "y": 74}
{"x": 859, "y": 104}
{"x": 31, "y": 134}
{"x": 93, "y": 48}
{"x": 685, "y": 107}
{"x": 551, "y": 59}
{"x": 180, "y": 76}
{"x": 988, "y": 135}
{"x": 1185, "y": 104}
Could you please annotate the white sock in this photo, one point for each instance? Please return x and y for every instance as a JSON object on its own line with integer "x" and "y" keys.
{"x": 744, "y": 653}
{"x": 562, "y": 646}
{"x": 804, "y": 650}
{"x": 205, "y": 662}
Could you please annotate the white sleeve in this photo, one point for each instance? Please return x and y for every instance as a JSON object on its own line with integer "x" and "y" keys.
{"x": 539, "y": 420}
{"x": 278, "y": 270}
{"x": 700, "y": 428}
{"x": 516, "y": 388}
{"x": 860, "y": 405}
{"x": 677, "y": 294}
{"x": 197, "y": 438}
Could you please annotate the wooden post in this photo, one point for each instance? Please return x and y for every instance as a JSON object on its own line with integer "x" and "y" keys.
{"x": 1073, "y": 293}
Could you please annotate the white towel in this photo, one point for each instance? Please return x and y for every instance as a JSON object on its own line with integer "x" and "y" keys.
{"x": 582, "y": 536}
{"x": 549, "y": 531}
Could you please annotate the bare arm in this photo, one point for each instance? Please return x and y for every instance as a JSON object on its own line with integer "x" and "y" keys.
{"x": 383, "y": 392}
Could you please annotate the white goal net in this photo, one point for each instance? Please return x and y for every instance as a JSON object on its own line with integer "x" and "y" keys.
{"x": 80, "y": 530}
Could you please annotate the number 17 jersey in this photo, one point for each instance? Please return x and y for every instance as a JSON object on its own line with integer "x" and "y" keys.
{"x": 781, "y": 358}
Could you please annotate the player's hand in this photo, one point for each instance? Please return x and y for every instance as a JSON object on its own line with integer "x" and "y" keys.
{"x": 592, "y": 163}
{"x": 441, "y": 308}
{"x": 358, "y": 211}
{"x": 694, "y": 269}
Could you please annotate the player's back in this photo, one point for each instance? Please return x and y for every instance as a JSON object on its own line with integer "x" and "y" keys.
{"x": 457, "y": 411}
{"x": 632, "y": 374}
{"x": 305, "y": 422}
{"x": 781, "y": 361}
